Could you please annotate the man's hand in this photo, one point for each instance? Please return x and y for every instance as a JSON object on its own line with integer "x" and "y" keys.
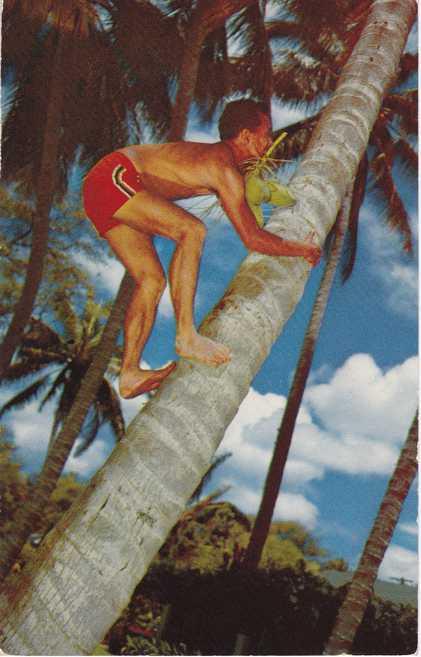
{"x": 314, "y": 251}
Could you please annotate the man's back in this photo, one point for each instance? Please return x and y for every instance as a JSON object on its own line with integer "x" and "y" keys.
{"x": 178, "y": 170}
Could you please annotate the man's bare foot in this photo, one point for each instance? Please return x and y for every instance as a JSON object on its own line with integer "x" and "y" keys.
{"x": 198, "y": 348}
{"x": 136, "y": 381}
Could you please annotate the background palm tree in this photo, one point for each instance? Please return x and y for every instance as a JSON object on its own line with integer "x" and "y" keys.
{"x": 82, "y": 112}
{"x": 85, "y": 396}
{"x": 317, "y": 45}
{"x": 276, "y": 469}
{"x": 360, "y": 590}
{"x": 130, "y": 505}
{"x": 59, "y": 361}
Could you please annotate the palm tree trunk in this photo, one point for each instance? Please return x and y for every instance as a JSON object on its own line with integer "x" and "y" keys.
{"x": 361, "y": 589}
{"x": 275, "y": 473}
{"x": 29, "y": 518}
{"x": 86, "y": 569}
{"x": 45, "y": 188}
{"x": 207, "y": 17}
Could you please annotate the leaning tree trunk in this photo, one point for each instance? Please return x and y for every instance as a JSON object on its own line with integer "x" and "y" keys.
{"x": 45, "y": 189}
{"x": 29, "y": 518}
{"x": 207, "y": 17}
{"x": 275, "y": 473}
{"x": 360, "y": 591}
{"x": 87, "y": 567}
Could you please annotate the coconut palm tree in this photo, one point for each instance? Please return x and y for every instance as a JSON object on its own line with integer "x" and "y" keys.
{"x": 62, "y": 49}
{"x": 300, "y": 134}
{"x": 62, "y": 446}
{"x": 275, "y": 472}
{"x": 319, "y": 42}
{"x": 59, "y": 361}
{"x": 360, "y": 590}
{"x": 108, "y": 538}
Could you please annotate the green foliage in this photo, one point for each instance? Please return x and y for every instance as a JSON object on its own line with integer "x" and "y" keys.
{"x": 68, "y": 241}
{"x": 207, "y": 537}
{"x": 272, "y": 607}
{"x": 144, "y": 646}
{"x": 14, "y": 487}
{"x": 59, "y": 360}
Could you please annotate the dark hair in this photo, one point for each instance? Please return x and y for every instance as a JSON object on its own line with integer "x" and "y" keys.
{"x": 240, "y": 114}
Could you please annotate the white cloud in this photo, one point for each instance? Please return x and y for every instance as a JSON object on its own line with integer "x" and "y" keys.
{"x": 410, "y": 528}
{"x": 352, "y": 424}
{"x": 397, "y": 272}
{"x": 31, "y": 428}
{"x": 106, "y": 273}
{"x": 399, "y": 562}
{"x": 90, "y": 460}
{"x": 165, "y": 308}
{"x": 361, "y": 398}
{"x": 290, "y": 506}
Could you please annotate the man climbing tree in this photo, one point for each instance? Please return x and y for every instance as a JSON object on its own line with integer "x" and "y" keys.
{"x": 129, "y": 196}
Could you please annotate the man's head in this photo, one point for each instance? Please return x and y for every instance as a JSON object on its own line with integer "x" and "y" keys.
{"x": 248, "y": 122}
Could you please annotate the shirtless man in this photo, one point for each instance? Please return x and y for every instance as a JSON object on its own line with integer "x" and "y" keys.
{"x": 129, "y": 196}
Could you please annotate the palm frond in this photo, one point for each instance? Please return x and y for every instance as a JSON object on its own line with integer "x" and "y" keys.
{"x": 297, "y": 81}
{"x": 111, "y": 408}
{"x": 299, "y": 135}
{"x": 407, "y": 154}
{"x": 212, "y": 81}
{"x": 89, "y": 432}
{"x": 351, "y": 238}
{"x": 41, "y": 336}
{"x": 24, "y": 397}
{"x": 69, "y": 391}
{"x": 405, "y": 105}
{"x": 55, "y": 385}
{"x": 408, "y": 65}
{"x": 396, "y": 214}
{"x": 149, "y": 47}
{"x": 216, "y": 462}
{"x": 22, "y": 368}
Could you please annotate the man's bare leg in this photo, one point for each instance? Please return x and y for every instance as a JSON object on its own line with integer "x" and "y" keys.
{"x": 138, "y": 254}
{"x": 157, "y": 216}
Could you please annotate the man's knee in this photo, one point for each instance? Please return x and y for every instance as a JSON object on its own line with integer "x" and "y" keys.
{"x": 194, "y": 231}
{"x": 154, "y": 282}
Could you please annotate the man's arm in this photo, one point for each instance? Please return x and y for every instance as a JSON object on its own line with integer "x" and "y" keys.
{"x": 229, "y": 185}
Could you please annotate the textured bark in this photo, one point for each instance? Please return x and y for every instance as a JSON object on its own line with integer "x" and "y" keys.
{"x": 208, "y": 16}
{"x": 86, "y": 569}
{"x": 276, "y": 469}
{"x": 41, "y": 218}
{"x": 30, "y": 516}
{"x": 361, "y": 589}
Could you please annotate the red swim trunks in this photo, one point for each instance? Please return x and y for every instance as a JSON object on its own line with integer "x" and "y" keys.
{"x": 107, "y": 186}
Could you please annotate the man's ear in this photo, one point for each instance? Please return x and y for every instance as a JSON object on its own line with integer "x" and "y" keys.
{"x": 244, "y": 136}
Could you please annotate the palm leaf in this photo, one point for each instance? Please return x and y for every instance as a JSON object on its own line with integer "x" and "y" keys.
{"x": 22, "y": 368}
{"x": 25, "y": 396}
{"x": 216, "y": 462}
{"x": 408, "y": 66}
{"x": 58, "y": 381}
{"x": 405, "y": 105}
{"x": 408, "y": 155}
{"x": 110, "y": 408}
{"x": 351, "y": 238}
{"x": 396, "y": 214}
{"x": 89, "y": 432}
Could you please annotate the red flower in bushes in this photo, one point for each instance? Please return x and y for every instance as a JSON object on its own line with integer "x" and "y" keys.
{"x": 143, "y": 631}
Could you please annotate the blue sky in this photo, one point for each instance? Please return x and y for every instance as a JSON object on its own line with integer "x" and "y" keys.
{"x": 359, "y": 402}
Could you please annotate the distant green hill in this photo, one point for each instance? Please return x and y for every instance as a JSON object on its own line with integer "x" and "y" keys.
{"x": 397, "y": 593}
